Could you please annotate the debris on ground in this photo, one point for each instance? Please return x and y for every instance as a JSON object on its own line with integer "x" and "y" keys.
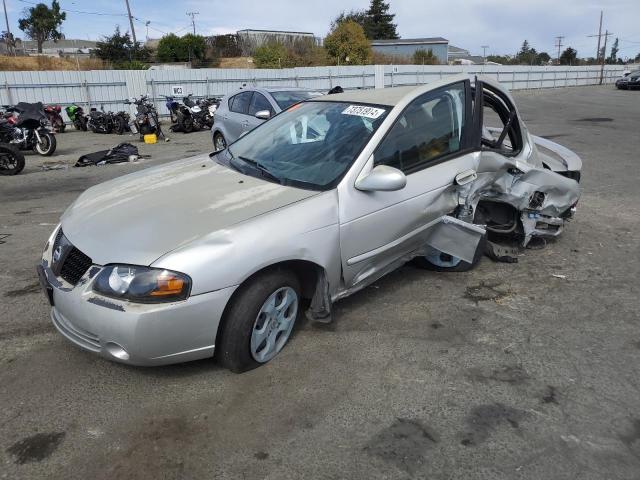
{"x": 123, "y": 152}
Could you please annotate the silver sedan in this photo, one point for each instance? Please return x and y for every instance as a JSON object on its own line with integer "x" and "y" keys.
{"x": 220, "y": 254}
{"x": 242, "y": 111}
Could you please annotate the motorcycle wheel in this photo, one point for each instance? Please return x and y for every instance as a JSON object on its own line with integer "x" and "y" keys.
{"x": 83, "y": 124}
{"x": 187, "y": 125}
{"x": 119, "y": 125}
{"x": 61, "y": 127}
{"x": 47, "y": 146}
{"x": 11, "y": 160}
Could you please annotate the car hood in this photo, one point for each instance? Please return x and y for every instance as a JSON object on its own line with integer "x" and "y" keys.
{"x": 139, "y": 217}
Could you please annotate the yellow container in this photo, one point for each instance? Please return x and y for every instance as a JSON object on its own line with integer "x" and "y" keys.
{"x": 150, "y": 138}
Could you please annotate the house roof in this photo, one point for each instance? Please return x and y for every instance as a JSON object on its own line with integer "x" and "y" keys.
{"x": 410, "y": 41}
{"x": 461, "y": 51}
{"x": 278, "y": 32}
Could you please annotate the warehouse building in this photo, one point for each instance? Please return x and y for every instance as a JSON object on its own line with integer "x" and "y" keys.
{"x": 406, "y": 47}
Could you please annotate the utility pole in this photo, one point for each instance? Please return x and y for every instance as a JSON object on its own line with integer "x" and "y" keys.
{"x": 146, "y": 24}
{"x": 193, "y": 20}
{"x": 484, "y": 53}
{"x": 559, "y": 45}
{"x": 604, "y": 54}
{"x": 599, "y": 36}
{"x": 133, "y": 30}
{"x": 9, "y": 36}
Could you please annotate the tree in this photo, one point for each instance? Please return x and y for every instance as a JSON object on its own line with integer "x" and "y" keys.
{"x": 637, "y": 59}
{"x": 379, "y": 22}
{"x": 543, "y": 58}
{"x": 568, "y": 57}
{"x": 120, "y": 50}
{"x": 42, "y": 23}
{"x": 358, "y": 16}
{"x": 187, "y": 48}
{"x": 613, "y": 56}
{"x": 347, "y": 43}
{"x": 424, "y": 57}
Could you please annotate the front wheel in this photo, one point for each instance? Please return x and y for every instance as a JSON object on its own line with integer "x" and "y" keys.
{"x": 259, "y": 321}
{"x": 47, "y": 144}
{"x": 11, "y": 160}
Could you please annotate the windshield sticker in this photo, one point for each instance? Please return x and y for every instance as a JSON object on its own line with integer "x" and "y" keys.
{"x": 362, "y": 111}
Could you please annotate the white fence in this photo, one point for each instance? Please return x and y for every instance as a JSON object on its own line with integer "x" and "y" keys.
{"x": 110, "y": 88}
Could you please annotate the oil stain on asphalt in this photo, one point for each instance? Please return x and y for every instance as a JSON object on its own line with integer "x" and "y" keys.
{"x": 485, "y": 419}
{"x": 405, "y": 444}
{"x": 36, "y": 447}
{"x": 484, "y": 292}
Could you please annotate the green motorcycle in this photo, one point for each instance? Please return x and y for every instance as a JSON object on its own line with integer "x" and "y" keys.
{"x": 77, "y": 116}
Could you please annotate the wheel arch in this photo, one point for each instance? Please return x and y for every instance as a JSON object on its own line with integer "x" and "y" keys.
{"x": 312, "y": 278}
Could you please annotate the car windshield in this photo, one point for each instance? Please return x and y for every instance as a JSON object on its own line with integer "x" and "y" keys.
{"x": 286, "y": 99}
{"x": 311, "y": 145}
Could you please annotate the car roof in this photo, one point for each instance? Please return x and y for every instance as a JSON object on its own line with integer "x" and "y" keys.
{"x": 391, "y": 96}
{"x": 285, "y": 89}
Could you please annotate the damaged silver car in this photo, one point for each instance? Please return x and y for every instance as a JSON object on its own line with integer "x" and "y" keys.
{"x": 222, "y": 253}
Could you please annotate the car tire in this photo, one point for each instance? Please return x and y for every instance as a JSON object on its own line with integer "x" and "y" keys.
{"x": 250, "y": 325}
{"x": 460, "y": 266}
{"x": 219, "y": 143}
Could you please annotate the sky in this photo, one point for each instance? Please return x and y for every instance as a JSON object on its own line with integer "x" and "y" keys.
{"x": 500, "y": 24}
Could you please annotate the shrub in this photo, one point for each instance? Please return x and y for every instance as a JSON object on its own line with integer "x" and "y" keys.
{"x": 424, "y": 57}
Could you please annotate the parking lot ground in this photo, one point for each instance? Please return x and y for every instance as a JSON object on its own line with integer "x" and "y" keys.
{"x": 528, "y": 370}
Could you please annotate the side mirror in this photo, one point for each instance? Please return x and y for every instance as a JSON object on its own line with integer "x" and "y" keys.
{"x": 263, "y": 115}
{"x": 382, "y": 179}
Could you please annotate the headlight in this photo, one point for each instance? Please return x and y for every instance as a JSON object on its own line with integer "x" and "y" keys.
{"x": 142, "y": 284}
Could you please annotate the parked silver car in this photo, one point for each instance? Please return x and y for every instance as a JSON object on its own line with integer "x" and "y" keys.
{"x": 221, "y": 253}
{"x": 244, "y": 110}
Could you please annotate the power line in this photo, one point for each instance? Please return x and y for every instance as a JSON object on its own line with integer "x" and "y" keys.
{"x": 83, "y": 12}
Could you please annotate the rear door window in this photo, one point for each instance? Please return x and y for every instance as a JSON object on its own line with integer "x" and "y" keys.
{"x": 240, "y": 103}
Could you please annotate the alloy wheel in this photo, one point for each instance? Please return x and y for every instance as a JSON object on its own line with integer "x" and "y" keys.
{"x": 274, "y": 324}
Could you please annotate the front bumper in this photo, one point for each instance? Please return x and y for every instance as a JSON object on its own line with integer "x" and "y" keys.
{"x": 132, "y": 333}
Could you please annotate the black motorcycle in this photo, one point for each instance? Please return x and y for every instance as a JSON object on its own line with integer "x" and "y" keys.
{"x": 146, "y": 120}
{"x": 11, "y": 160}
{"x": 101, "y": 121}
{"x": 121, "y": 121}
{"x": 27, "y": 130}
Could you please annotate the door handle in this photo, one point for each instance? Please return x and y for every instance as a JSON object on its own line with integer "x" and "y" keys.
{"x": 465, "y": 177}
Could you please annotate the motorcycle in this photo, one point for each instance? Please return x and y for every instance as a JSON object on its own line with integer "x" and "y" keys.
{"x": 55, "y": 119}
{"x": 209, "y": 107}
{"x": 181, "y": 116}
{"x": 121, "y": 121}
{"x": 100, "y": 121}
{"x": 77, "y": 117}
{"x": 146, "y": 120}
{"x": 27, "y": 130}
{"x": 11, "y": 160}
